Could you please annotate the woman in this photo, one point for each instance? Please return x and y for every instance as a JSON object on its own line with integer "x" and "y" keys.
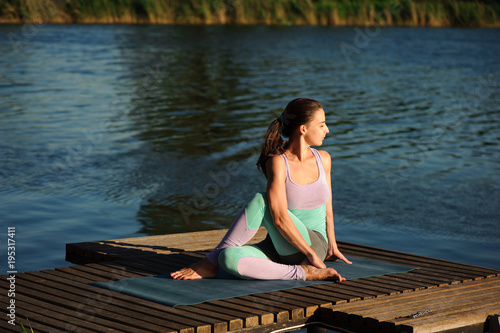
{"x": 296, "y": 208}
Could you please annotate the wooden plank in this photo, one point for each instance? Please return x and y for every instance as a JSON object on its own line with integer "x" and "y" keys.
{"x": 368, "y": 304}
{"x": 234, "y": 318}
{"x": 266, "y": 316}
{"x": 369, "y": 288}
{"x": 180, "y": 325}
{"x": 302, "y": 306}
{"x": 385, "y": 287}
{"x": 122, "y": 248}
{"x": 349, "y": 287}
{"x": 408, "y": 259}
{"x": 443, "y": 319}
{"x": 307, "y": 308}
{"x": 43, "y": 323}
{"x": 428, "y": 281}
{"x": 217, "y": 324}
{"x": 281, "y": 313}
{"x": 63, "y": 318}
{"x": 177, "y": 259}
{"x": 445, "y": 275}
{"x": 432, "y": 301}
{"x": 398, "y": 311}
{"x": 472, "y": 316}
{"x": 160, "y": 242}
{"x": 222, "y": 322}
{"x": 73, "y": 272}
{"x": 295, "y": 312}
{"x": 106, "y": 275}
{"x": 159, "y": 264}
{"x": 160, "y": 315}
{"x": 203, "y": 324}
{"x": 372, "y": 313}
{"x": 93, "y": 306}
{"x": 396, "y": 282}
{"x": 310, "y": 298}
{"x": 164, "y": 263}
{"x": 251, "y": 316}
{"x": 180, "y": 239}
{"x": 121, "y": 271}
{"x": 407, "y": 297}
{"x": 22, "y": 314}
{"x": 132, "y": 266}
{"x": 443, "y": 307}
{"x": 338, "y": 293}
{"x": 37, "y": 315}
{"x": 434, "y": 268}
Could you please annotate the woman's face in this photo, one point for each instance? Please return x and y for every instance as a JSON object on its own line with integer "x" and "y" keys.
{"x": 316, "y": 129}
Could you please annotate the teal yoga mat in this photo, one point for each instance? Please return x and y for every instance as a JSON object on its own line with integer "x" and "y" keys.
{"x": 165, "y": 290}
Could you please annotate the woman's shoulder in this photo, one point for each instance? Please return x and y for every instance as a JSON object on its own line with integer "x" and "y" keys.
{"x": 324, "y": 154}
{"x": 275, "y": 161}
{"x": 276, "y": 165}
{"x": 325, "y": 157}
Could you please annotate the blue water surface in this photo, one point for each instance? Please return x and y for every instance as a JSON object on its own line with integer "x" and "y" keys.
{"x": 115, "y": 131}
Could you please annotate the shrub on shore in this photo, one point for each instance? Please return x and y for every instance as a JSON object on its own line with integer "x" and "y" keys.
{"x": 461, "y": 13}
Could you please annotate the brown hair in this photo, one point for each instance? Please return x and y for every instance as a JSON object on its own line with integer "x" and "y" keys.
{"x": 298, "y": 112}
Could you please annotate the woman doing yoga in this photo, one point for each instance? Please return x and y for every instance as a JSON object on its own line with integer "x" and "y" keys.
{"x": 296, "y": 208}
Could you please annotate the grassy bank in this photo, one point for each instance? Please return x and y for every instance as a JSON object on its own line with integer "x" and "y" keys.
{"x": 438, "y": 13}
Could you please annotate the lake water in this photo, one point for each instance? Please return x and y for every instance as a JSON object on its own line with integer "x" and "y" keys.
{"x": 115, "y": 131}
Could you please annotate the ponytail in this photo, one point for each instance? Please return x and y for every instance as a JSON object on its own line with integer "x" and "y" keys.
{"x": 273, "y": 144}
{"x": 298, "y": 112}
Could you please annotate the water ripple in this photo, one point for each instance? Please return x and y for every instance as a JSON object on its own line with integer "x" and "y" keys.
{"x": 156, "y": 129}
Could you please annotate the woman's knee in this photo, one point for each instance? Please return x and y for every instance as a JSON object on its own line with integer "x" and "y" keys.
{"x": 228, "y": 259}
{"x": 255, "y": 210}
{"x": 259, "y": 199}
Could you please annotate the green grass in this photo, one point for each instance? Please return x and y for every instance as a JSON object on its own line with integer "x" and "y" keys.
{"x": 461, "y": 13}
{"x": 23, "y": 328}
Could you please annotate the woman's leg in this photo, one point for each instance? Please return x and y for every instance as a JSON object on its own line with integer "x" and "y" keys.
{"x": 242, "y": 264}
{"x": 243, "y": 228}
{"x": 287, "y": 252}
{"x": 250, "y": 262}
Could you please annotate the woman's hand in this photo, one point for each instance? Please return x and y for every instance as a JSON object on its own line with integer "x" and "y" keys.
{"x": 316, "y": 261}
{"x": 334, "y": 254}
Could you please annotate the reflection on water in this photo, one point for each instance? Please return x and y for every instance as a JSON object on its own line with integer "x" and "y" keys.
{"x": 113, "y": 131}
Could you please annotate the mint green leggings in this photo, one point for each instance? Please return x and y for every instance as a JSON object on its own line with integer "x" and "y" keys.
{"x": 274, "y": 258}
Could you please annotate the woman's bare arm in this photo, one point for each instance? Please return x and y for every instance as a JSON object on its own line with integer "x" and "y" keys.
{"x": 333, "y": 251}
{"x": 276, "y": 193}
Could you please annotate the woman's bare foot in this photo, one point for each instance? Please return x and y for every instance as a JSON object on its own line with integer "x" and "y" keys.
{"x": 313, "y": 273}
{"x": 203, "y": 269}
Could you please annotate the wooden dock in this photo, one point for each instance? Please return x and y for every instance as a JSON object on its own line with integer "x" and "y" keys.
{"x": 441, "y": 296}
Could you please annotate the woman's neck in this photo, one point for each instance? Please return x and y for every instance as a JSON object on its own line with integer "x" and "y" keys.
{"x": 298, "y": 149}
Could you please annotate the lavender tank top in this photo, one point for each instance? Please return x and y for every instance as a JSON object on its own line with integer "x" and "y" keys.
{"x": 309, "y": 196}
